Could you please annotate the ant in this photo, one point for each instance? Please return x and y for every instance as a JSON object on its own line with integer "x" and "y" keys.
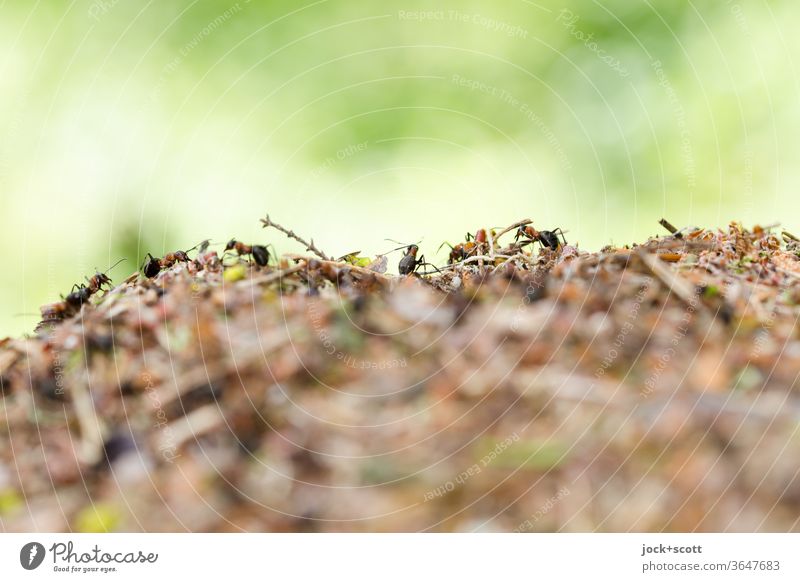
{"x": 467, "y": 249}
{"x": 152, "y": 266}
{"x": 81, "y": 294}
{"x": 410, "y": 263}
{"x": 78, "y": 296}
{"x": 259, "y": 253}
{"x": 176, "y": 257}
{"x": 547, "y": 238}
{"x": 99, "y": 279}
{"x": 457, "y": 253}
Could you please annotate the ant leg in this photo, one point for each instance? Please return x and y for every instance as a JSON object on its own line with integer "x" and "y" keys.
{"x": 423, "y": 263}
{"x": 558, "y": 231}
{"x": 526, "y": 242}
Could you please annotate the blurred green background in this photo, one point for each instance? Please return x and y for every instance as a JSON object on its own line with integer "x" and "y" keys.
{"x": 128, "y": 127}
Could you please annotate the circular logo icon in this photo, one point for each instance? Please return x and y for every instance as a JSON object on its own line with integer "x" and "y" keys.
{"x": 31, "y": 555}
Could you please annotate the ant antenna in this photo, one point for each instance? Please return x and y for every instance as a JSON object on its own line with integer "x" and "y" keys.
{"x": 403, "y": 245}
{"x": 202, "y": 246}
{"x": 114, "y": 265}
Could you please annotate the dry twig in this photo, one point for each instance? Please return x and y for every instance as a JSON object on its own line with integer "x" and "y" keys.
{"x": 291, "y": 234}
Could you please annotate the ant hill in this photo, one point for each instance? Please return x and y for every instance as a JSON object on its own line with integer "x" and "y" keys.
{"x": 526, "y": 385}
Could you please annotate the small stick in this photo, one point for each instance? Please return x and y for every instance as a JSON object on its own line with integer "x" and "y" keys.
{"x": 477, "y": 258}
{"x": 274, "y": 276}
{"x": 91, "y": 427}
{"x": 512, "y": 227}
{"x": 678, "y": 285}
{"x": 788, "y": 272}
{"x": 291, "y": 234}
{"x": 673, "y": 244}
{"x": 672, "y": 230}
{"x": 353, "y": 268}
{"x": 195, "y": 424}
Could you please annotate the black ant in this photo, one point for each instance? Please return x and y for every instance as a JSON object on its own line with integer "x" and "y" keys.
{"x": 259, "y": 253}
{"x": 78, "y": 296}
{"x": 410, "y": 263}
{"x": 81, "y": 294}
{"x": 547, "y": 238}
{"x": 99, "y": 279}
{"x": 68, "y": 306}
{"x": 152, "y": 266}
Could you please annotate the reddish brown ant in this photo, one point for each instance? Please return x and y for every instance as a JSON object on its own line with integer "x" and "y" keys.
{"x": 78, "y": 295}
{"x": 470, "y": 248}
{"x": 81, "y": 294}
{"x": 172, "y": 258}
{"x": 99, "y": 279}
{"x": 152, "y": 266}
{"x": 259, "y": 253}
{"x": 547, "y": 238}
{"x": 460, "y": 251}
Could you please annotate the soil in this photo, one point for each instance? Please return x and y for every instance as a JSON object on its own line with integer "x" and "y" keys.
{"x": 650, "y": 387}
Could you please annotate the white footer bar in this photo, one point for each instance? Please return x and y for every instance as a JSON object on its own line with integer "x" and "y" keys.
{"x": 355, "y": 557}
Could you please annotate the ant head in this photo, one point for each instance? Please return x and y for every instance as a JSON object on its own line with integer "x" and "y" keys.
{"x": 412, "y": 250}
{"x": 231, "y": 244}
{"x": 526, "y": 231}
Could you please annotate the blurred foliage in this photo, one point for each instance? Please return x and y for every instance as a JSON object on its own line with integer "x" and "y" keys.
{"x": 130, "y": 128}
